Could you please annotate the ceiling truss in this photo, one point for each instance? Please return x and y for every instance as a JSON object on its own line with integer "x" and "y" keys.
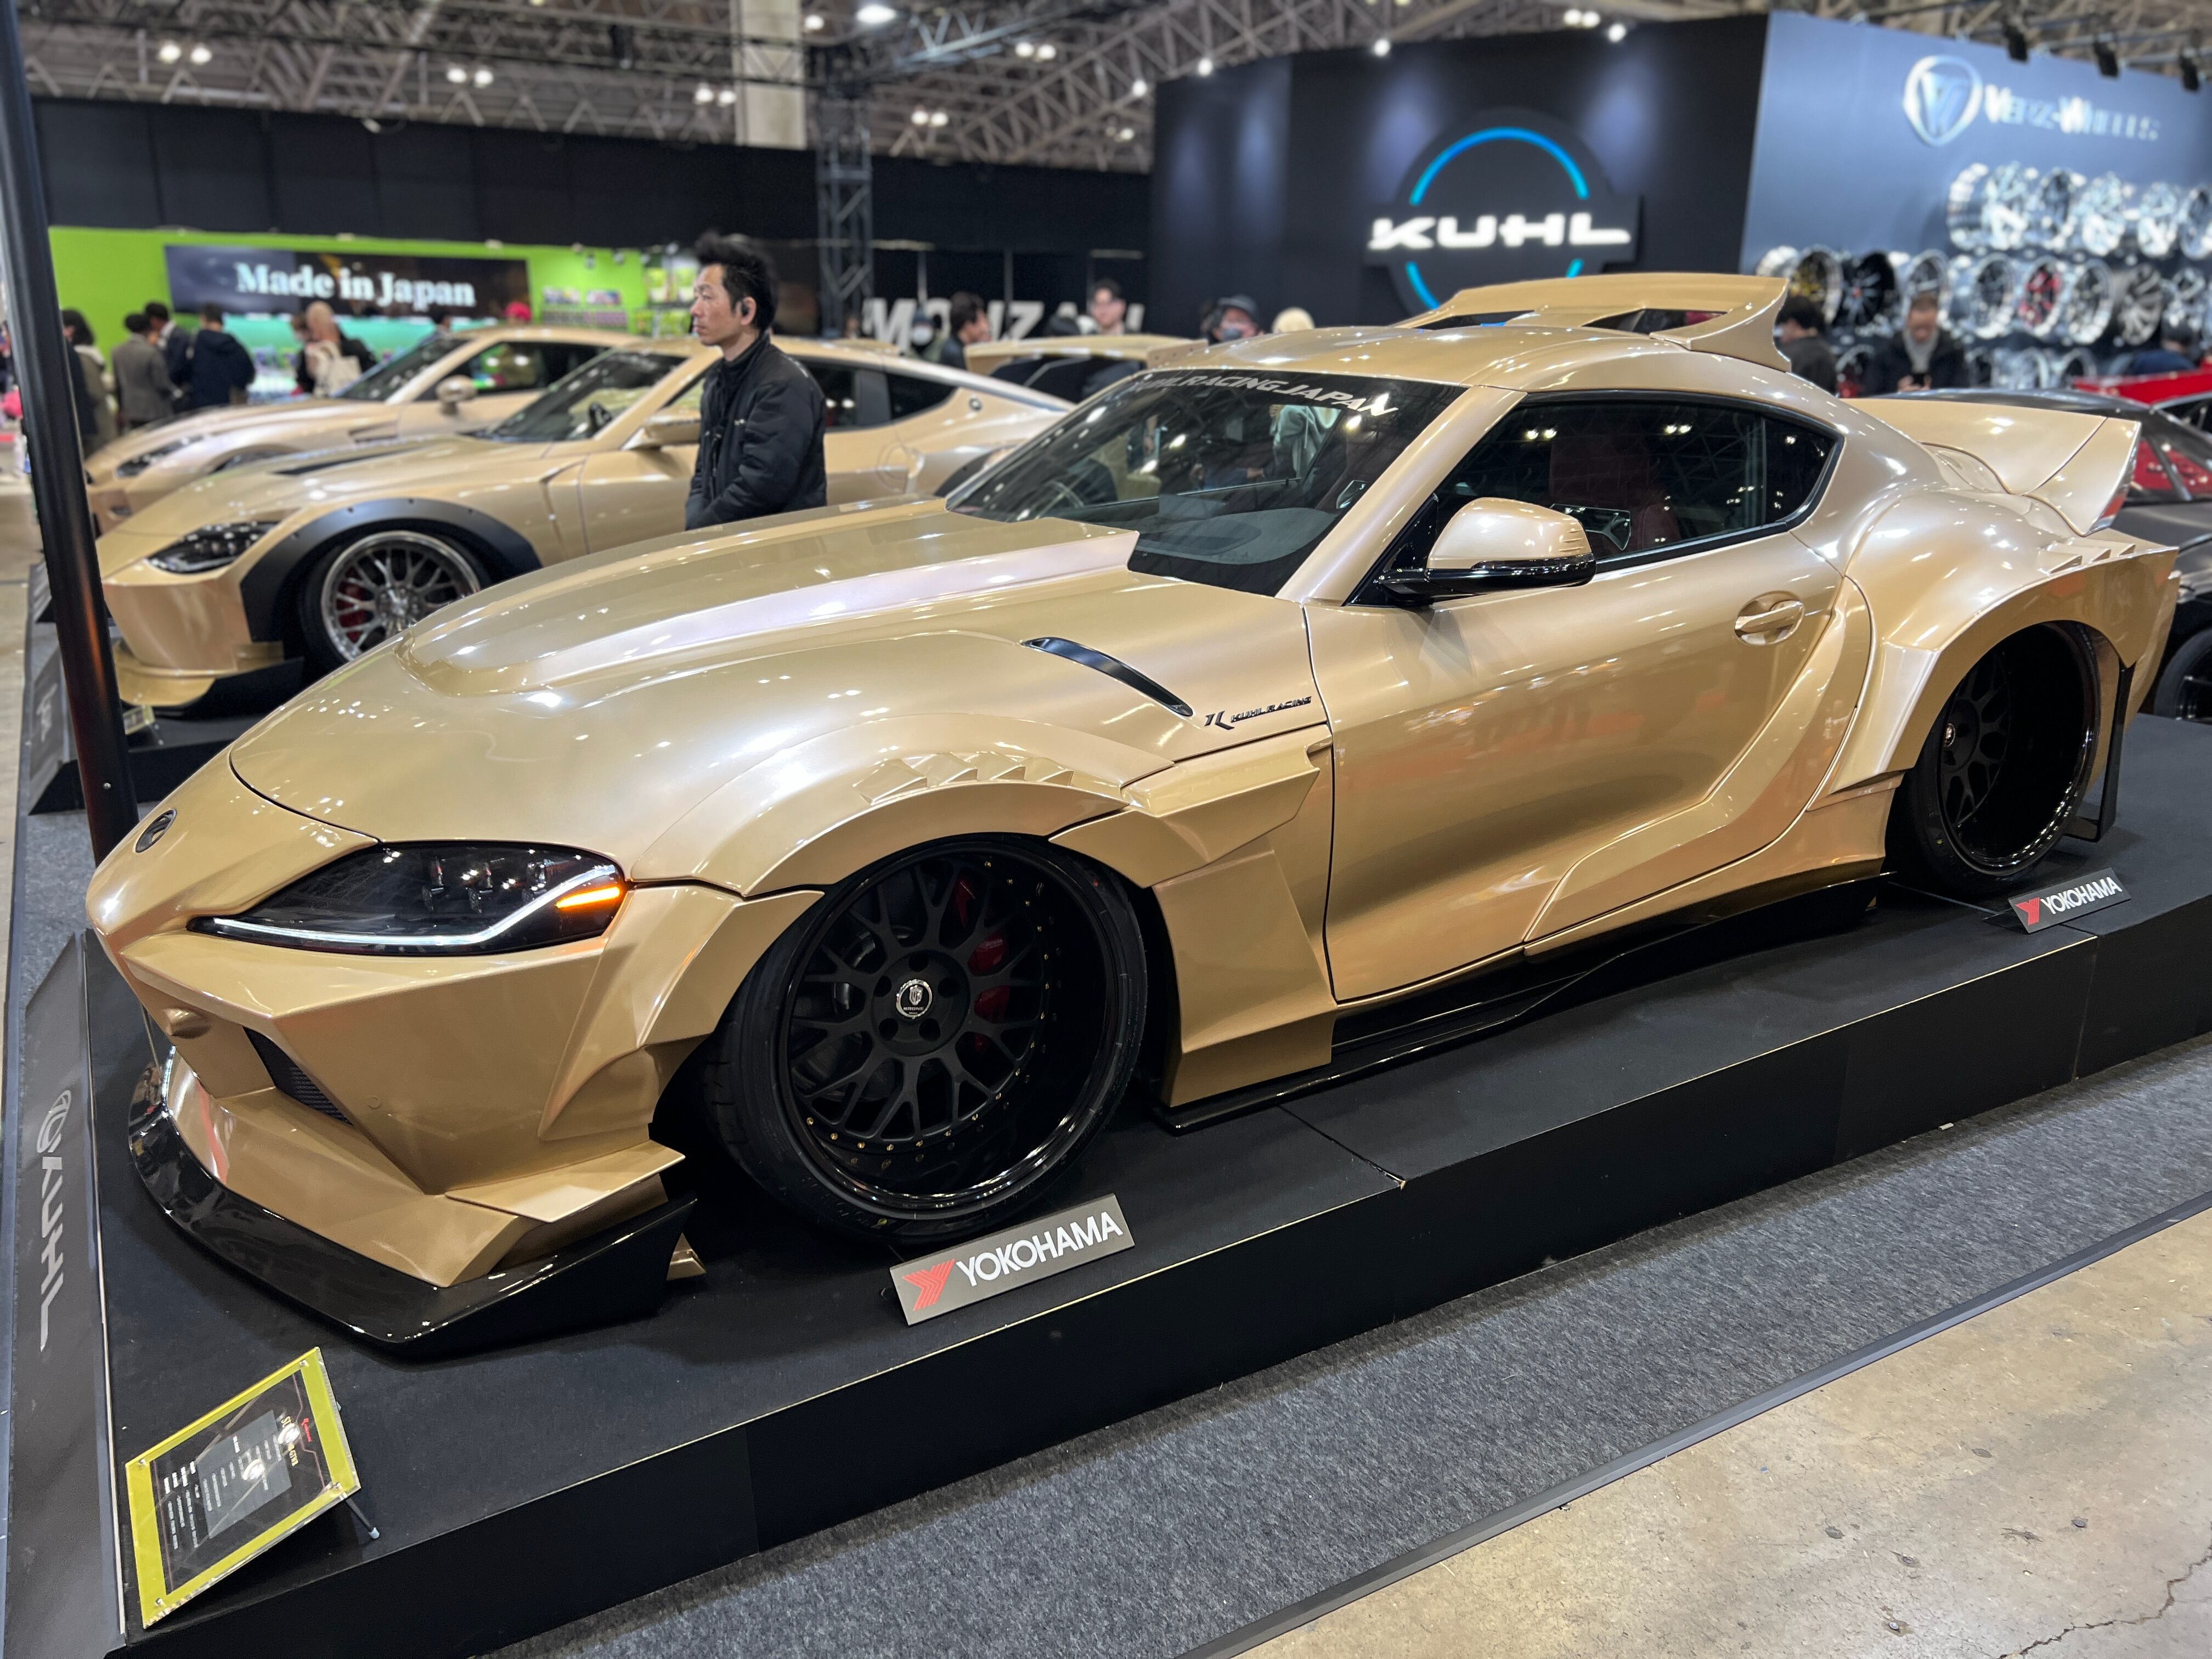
{"x": 948, "y": 81}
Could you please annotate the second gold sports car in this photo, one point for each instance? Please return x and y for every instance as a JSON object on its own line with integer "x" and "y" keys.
{"x": 325, "y": 556}
{"x": 1290, "y": 693}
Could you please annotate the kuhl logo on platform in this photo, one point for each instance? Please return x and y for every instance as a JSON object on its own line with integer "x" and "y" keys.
{"x": 2095, "y": 891}
{"x": 53, "y": 1209}
{"x": 1019, "y": 1255}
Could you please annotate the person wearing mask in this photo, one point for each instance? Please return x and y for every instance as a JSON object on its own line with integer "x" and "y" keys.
{"x": 2174, "y": 354}
{"x": 1233, "y": 316}
{"x": 1918, "y": 357}
{"x": 1802, "y": 335}
{"x": 218, "y": 369}
{"x": 329, "y": 358}
{"x": 967, "y": 324}
{"x": 1109, "y": 309}
{"x": 760, "y": 415}
{"x": 92, "y": 369}
{"x": 142, "y": 388}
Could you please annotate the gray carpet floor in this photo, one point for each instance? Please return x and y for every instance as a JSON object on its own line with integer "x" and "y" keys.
{"x": 1155, "y": 1535}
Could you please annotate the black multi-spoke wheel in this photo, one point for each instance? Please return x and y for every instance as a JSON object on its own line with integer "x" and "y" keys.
{"x": 2004, "y": 766}
{"x": 940, "y": 1037}
{"x": 2185, "y": 688}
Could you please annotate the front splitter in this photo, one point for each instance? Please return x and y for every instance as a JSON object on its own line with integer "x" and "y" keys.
{"x": 620, "y": 1273}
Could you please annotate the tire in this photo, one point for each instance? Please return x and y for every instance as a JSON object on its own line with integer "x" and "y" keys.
{"x": 2004, "y": 766}
{"x": 936, "y": 1044}
{"x": 2185, "y": 688}
{"x": 361, "y": 592}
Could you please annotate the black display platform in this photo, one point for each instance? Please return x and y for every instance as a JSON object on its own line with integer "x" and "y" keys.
{"x": 518, "y": 1489}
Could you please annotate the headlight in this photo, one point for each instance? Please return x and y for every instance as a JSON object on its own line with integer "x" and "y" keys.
{"x": 436, "y": 900}
{"x": 137, "y": 464}
{"x": 211, "y": 547}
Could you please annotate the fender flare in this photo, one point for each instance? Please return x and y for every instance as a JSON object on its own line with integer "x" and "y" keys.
{"x": 262, "y": 588}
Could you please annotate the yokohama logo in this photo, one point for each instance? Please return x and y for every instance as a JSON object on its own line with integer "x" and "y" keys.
{"x": 2092, "y": 892}
{"x": 984, "y": 1268}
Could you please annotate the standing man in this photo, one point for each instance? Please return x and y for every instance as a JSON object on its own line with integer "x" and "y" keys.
{"x": 967, "y": 324}
{"x": 760, "y": 415}
{"x": 176, "y": 344}
{"x": 1109, "y": 309}
{"x": 1803, "y": 336}
{"x": 221, "y": 368}
{"x": 1918, "y": 357}
{"x": 142, "y": 387}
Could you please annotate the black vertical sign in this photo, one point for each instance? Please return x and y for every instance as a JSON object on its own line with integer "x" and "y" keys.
{"x": 64, "y": 1592}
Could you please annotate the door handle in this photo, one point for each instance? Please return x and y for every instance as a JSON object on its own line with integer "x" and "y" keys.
{"x": 1769, "y": 618}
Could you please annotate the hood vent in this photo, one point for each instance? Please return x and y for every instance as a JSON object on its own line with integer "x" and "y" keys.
{"x": 1055, "y": 646}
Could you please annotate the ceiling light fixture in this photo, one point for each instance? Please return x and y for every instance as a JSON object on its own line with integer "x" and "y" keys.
{"x": 1024, "y": 48}
{"x": 169, "y": 51}
{"x": 921, "y": 117}
{"x": 201, "y": 54}
{"x": 875, "y": 15}
{"x": 727, "y": 96}
{"x": 483, "y": 78}
{"x": 937, "y": 118}
{"x": 1126, "y": 134}
{"x": 1047, "y": 51}
{"x": 814, "y": 23}
{"x": 1140, "y": 86}
{"x": 704, "y": 95}
{"x": 1381, "y": 46}
{"x": 2016, "y": 39}
{"x": 2191, "y": 79}
{"x": 456, "y": 75}
{"x": 1206, "y": 66}
{"x": 2108, "y": 61}
{"x": 1617, "y": 33}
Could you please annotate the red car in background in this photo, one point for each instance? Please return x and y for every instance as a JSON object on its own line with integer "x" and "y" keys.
{"x": 2186, "y": 396}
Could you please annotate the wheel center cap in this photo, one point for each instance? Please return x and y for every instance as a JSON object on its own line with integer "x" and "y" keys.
{"x": 913, "y": 998}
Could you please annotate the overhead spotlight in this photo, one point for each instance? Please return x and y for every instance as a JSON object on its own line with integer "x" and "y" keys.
{"x": 169, "y": 51}
{"x": 1140, "y": 86}
{"x": 2016, "y": 39}
{"x": 1206, "y": 66}
{"x": 2108, "y": 61}
{"x": 200, "y": 54}
{"x": 814, "y": 23}
{"x": 704, "y": 95}
{"x": 937, "y": 118}
{"x": 371, "y": 123}
{"x": 1047, "y": 51}
{"x": 727, "y": 96}
{"x": 875, "y": 15}
{"x": 921, "y": 117}
{"x": 1024, "y": 48}
{"x": 483, "y": 78}
{"x": 2190, "y": 79}
{"x": 1381, "y": 46}
{"x": 456, "y": 75}
{"x": 1126, "y": 134}
{"x": 1617, "y": 33}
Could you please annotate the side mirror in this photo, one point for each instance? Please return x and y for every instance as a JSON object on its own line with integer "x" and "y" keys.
{"x": 1494, "y": 544}
{"x": 455, "y": 389}
{"x": 668, "y": 430}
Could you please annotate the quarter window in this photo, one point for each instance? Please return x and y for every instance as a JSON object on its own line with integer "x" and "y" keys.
{"x": 912, "y": 395}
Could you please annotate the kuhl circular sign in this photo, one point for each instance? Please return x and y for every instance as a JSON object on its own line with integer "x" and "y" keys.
{"x": 1509, "y": 197}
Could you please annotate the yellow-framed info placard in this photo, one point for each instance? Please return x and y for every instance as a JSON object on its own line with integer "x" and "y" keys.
{"x": 219, "y": 1492}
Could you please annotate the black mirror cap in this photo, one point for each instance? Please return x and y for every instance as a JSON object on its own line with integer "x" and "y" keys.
{"x": 1424, "y": 587}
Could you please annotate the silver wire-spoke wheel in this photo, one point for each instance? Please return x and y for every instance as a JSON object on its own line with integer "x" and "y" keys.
{"x": 385, "y": 583}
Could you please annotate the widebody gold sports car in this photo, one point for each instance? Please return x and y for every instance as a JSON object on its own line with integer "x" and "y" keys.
{"x": 1299, "y": 683}
{"x": 325, "y": 556}
{"x": 445, "y": 384}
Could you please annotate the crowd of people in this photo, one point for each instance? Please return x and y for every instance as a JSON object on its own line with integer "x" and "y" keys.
{"x": 159, "y": 370}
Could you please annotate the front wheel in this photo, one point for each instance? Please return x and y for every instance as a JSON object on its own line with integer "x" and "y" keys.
{"x": 2004, "y": 766}
{"x": 940, "y": 1037}
{"x": 364, "y": 592}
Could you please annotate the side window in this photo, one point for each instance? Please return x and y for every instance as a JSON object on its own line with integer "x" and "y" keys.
{"x": 841, "y": 403}
{"x": 688, "y": 401}
{"x": 1641, "y": 475}
{"x": 911, "y": 395}
{"x": 565, "y": 357}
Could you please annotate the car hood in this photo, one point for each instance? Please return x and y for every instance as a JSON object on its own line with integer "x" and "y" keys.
{"x": 244, "y": 419}
{"x": 274, "y": 490}
{"x": 597, "y": 703}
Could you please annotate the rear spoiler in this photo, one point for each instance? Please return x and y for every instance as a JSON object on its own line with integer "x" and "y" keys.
{"x": 1733, "y": 316}
{"x": 2075, "y": 463}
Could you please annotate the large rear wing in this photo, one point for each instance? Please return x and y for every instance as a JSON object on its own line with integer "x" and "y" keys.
{"x": 2077, "y": 463}
{"x": 1733, "y": 316}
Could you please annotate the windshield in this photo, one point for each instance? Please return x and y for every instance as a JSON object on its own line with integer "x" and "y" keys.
{"x": 388, "y": 376}
{"x": 585, "y": 403}
{"x": 1227, "y": 476}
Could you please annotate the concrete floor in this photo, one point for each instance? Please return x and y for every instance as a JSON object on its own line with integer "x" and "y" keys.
{"x": 2036, "y": 1480}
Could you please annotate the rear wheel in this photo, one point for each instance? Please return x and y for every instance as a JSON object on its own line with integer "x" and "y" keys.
{"x": 367, "y": 590}
{"x": 2004, "y": 768}
{"x": 2184, "y": 689}
{"x": 941, "y": 1038}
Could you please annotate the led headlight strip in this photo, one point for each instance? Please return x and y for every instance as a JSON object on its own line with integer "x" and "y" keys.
{"x": 601, "y": 886}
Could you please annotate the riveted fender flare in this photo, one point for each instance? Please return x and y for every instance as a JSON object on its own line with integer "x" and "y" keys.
{"x": 2126, "y": 603}
{"x": 262, "y": 588}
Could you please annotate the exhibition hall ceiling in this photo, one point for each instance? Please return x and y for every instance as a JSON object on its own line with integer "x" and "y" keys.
{"x": 1052, "y": 82}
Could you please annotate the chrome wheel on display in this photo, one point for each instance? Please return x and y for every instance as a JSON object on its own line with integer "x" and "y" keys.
{"x": 2085, "y": 311}
{"x": 2184, "y": 308}
{"x": 1867, "y": 297}
{"x": 1776, "y": 262}
{"x": 2079, "y": 364}
{"x": 2018, "y": 369}
{"x": 1925, "y": 273}
{"x": 2139, "y": 304}
{"x": 2101, "y": 219}
{"x": 2157, "y": 220}
{"x": 1819, "y": 276}
{"x": 1989, "y": 286}
{"x": 2042, "y": 292}
{"x": 1853, "y": 364}
{"x": 2009, "y": 207}
{"x": 1962, "y": 209}
{"x": 2051, "y": 219}
{"x": 1981, "y": 370}
{"x": 2193, "y": 227}
{"x": 376, "y": 588}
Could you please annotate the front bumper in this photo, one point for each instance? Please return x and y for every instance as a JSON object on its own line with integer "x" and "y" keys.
{"x": 621, "y": 1272}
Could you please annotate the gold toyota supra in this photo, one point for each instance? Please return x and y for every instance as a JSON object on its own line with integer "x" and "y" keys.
{"x": 1300, "y": 689}
{"x": 325, "y": 556}
{"x": 445, "y": 384}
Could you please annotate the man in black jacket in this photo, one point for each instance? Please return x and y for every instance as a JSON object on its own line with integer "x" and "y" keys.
{"x": 760, "y": 415}
{"x": 1918, "y": 357}
{"x": 1802, "y": 335}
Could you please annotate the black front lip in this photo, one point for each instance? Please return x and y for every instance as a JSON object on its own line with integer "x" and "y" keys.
{"x": 619, "y": 1273}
